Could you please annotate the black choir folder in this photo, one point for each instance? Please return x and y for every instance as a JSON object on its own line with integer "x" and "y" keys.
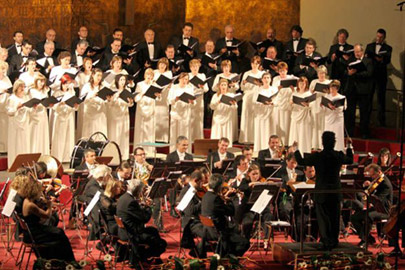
{"x": 234, "y": 47}
{"x": 163, "y": 80}
{"x": 185, "y": 97}
{"x": 337, "y": 103}
{"x": 197, "y": 81}
{"x": 320, "y": 87}
{"x": 253, "y": 80}
{"x": 228, "y": 99}
{"x": 317, "y": 60}
{"x": 357, "y": 65}
{"x": 340, "y": 53}
{"x": 212, "y": 58}
{"x": 234, "y": 79}
{"x": 267, "y": 62}
{"x": 45, "y": 102}
{"x": 125, "y": 95}
{"x": 288, "y": 82}
{"x": 152, "y": 90}
{"x": 308, "y": 99}
{"x": 74, "y": 100}
{"x": 264, "y": 99}
{"x": 31, "y": 103}
{"x": 105, "y": 92}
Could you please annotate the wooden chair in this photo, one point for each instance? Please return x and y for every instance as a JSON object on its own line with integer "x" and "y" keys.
{"x": 209, "y": 223}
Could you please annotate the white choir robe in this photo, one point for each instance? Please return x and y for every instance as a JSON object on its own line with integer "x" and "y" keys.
{"x": 318, "y": 115}
{"x": 55, "y": 76}
{"x": 5, "y": 84}
{"x": 112, "y": 85}
{"x": 63, "y": 137}
{"x": 334, "y": 121}
{"x": 95, "y": 112}
{"x": 162, "y": 109}
{"x": 28, "y": 79}
{"x": 145, "y": 119}
{"x": 180, "y": 114}
{"x": 18, "y": 128}
{"x": 283, "y": 109}
{"x": 197, "y": 113}
{"x": 118, "y": 123}
{"x": 39, "y": 124}
{"x": 247, "y": 130}
{"x": 301, "y": 125}
{"x": 222, "y": 124}
{"x": 231, "y": 90}
{"x": 264, "y": 119}
{"x": 81, "y": 79}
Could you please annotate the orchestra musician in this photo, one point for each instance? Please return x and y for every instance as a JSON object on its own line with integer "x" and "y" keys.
{"x": 123, "y": 172}
{"x": 180, "y": 154}
{"x": 248, "y": 153}
{"x": 215, "y": 159}
{"x": 384, "y": 157}
{"x": 384, "y": 196}
{"x": 218, "y": 208}
{"x": 327, "y": 164}
{"x": 135, "y": 215}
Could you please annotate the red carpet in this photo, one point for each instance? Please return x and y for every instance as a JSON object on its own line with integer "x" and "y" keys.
{"x": 172, "y": 237}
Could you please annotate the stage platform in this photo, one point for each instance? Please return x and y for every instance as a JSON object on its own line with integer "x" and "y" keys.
{"x": 285, "y": 253}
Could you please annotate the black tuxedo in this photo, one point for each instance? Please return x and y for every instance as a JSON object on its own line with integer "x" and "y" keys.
{"x": 105, "y": 60}
{"x": 177, "y": 41}
{"x": 277, "y": 44}
{"x": 16, "y": 62}
{"x": 40, "y": 46}
{"x": 76, "y": 40}
{"x": 134, "y": 216}
{"x": 214, "y": 207}
{"x": 327, "y": 166}
{"x": 309, "y": 71}
{"x": 289, "y": 56}
{"x": 92, "y": 187}
{"x": 220, "y": 44}
{"x": 384, "y": 194}
{"x": 380, "y": 75}
{"x": 338, "y": 67}
{"x": 214, "y": 157}
{"x": 143, "y": 53}
{"x": 43, "y": 69}
{"x": 358, "y": 90}
{"x": 12, "y": 50}
{"x": 174, "y": 157}
{"x": 73, "y": 60}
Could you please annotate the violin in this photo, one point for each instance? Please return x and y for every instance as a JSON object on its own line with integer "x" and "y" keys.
{"x": 201, "y": 191}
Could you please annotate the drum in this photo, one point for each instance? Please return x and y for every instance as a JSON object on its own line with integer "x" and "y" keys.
{"x": 54, "y": 167}
{"x": 103, "y": 148}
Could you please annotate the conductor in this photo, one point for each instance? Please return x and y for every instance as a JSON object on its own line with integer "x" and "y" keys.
{"x": 327, "y": 165}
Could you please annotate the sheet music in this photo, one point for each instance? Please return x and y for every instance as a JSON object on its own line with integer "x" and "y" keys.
{"x": 261, "y": 202}
{"x": 304, "y": 185}
{"x": 92, "y": 203}
{"x": 185, "y": 201}
{"x": 279, "y": 223}
{"x": 10, "y": 204}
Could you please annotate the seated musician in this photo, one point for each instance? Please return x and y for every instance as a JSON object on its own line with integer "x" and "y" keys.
{"x": 78, "y": 184}
{"x": 384, "y": 157}
{"x": 248, "y": 153}
{"x": 123, "y": 172}
{"x": 190, "y": 220}
{"x": 179, "y": 154}
{"x": 215, "y": 159}
{"x": 135, "y": 215}
{"x": 219, "y": 208}
{"x": 253, "y": 177}
{"x": 32, "y": 213}
{"x": 272, "y": 152}
{"x": 18, "y": 184}
{"x": 289, "y": 175}
{"x": 381, "y": 193}
{"x": 101, "y": 174}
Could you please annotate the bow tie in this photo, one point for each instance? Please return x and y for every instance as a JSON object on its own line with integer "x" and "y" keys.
{"x": 378, "y": 43}
{"x": 186, "y": 38}
{"x": 296, "y": 39}
{"x": 229, "y": 40}
{"x": 24, "y": 56}
{"x": 150, "y": 43}
{"x": 19, "y": 46}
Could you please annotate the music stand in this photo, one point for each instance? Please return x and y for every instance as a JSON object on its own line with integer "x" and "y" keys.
{"x": 270, "y": 166}
{"x": 154, "y": 145}
{"x": 258, "y": 188}
{"x": 103, "y": 160}
{"x": 188, "y": 166}
{"x": 157, "y": 191}
{"x": 22, "y": 160}
{"x": 162, "y": 170}
{"x": 226, "y": 164}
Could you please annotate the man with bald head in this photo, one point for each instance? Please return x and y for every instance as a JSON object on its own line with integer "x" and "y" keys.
{"x": 358, "y": 91}
{"x": 50, "y": 35}
{"x": 233, "y": 55}
{"x": 149, "y": 50}
{"x": 271, "y": 41}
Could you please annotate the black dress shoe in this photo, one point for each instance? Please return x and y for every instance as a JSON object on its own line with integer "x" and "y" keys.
{"x": 174, "y": 214}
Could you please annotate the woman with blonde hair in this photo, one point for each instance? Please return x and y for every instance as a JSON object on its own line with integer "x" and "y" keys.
{"x": 197, "y": 114}
{"x": 222, "y": 124}
{"x": 5, "y": 84}
{"x": 301, "y": 118}
{"x": 18, "y": 122}
{"x": 318, "y": 115}
{"x": 145, "y": 116}
{"x": 108, "y": 203}
{"x": 250, "y": 85}
{"x": 116, "y": 69}
{"x": 39, "y": 123}
{"x": 162, "y": 107}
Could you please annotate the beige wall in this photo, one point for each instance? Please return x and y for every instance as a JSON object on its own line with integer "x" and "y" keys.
{"x": 320, "y": 20}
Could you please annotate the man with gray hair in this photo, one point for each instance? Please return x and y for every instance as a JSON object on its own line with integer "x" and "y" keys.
{"x": 176, "y": 156}
{"x": 223, "y": 46}
{"x": 46, "y": 60}
{"x": 50, "y": 36}
{"x": 78, "y": 54}
{"x": 135, "y": 215}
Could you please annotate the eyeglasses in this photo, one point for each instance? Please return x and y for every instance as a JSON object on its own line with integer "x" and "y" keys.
{"x": 142, "y": 154}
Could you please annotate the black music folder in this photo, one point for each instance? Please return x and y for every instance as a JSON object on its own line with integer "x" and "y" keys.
{"x": 309, "y": 99}
{"x": 337, "y": 103}
{"x": 288, "y": 82}
{"x": 228, "y": 99}
{"x": 320, "y": 87}
{"x": 152, "y": 90}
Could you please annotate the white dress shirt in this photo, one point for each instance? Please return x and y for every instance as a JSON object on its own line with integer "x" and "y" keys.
{"x": 181, "y": 155}
{"x": 295, "y": 44}
{"x": 151, "y": 50}
{"x": 186, "y": 41}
